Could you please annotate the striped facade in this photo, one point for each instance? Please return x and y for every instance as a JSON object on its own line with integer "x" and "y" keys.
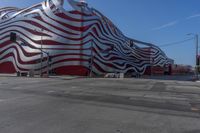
{"x": 78, "y": 41}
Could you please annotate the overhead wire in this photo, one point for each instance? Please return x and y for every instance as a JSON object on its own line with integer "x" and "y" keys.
{"x": 176, "y": 43}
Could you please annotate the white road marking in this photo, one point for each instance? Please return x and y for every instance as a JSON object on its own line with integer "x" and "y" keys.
{"x": 51, "y": 91}
{"x": 17, "y": 88}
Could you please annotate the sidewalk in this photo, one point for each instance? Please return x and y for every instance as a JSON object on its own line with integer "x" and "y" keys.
{"x": 64, "y": 77}
{"x": 67, "y": 77}
{"x": 8, "y": 75}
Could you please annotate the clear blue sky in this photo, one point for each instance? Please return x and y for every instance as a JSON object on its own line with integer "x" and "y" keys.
{"x": 155, "y": 21}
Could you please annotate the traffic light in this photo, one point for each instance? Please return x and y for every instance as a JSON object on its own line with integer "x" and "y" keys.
{"x": 13, "y": 37}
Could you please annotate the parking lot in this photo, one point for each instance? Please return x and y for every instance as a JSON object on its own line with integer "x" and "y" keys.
{"x": 83, "y": 105}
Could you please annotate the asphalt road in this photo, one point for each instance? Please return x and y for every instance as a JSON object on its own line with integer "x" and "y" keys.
{"x": 76, "y": 105}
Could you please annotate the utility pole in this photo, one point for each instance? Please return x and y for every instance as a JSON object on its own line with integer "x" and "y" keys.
{"x": 196, "y": 37}
{"x": 197, "y": 54}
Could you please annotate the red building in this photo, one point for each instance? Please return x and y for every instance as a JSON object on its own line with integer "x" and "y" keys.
{"x": 79, "y": 41}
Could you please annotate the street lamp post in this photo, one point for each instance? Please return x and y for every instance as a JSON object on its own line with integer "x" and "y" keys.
{"x": 196, "y": 37}
{"x": 92, "y": 56}
{"x": 42, "y": 52}
{"x": 42, "y": 57}
{"x": 48, "y": 57}
{"x": 41, "y": 61}
{"x": 151, "y": 60}
{"x": 91, "y": 59}
{"x": 48, "y": 60}
{"x": 83, "y": 5}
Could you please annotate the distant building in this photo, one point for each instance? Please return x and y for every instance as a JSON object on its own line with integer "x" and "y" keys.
{"x": 76, "y": 42}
